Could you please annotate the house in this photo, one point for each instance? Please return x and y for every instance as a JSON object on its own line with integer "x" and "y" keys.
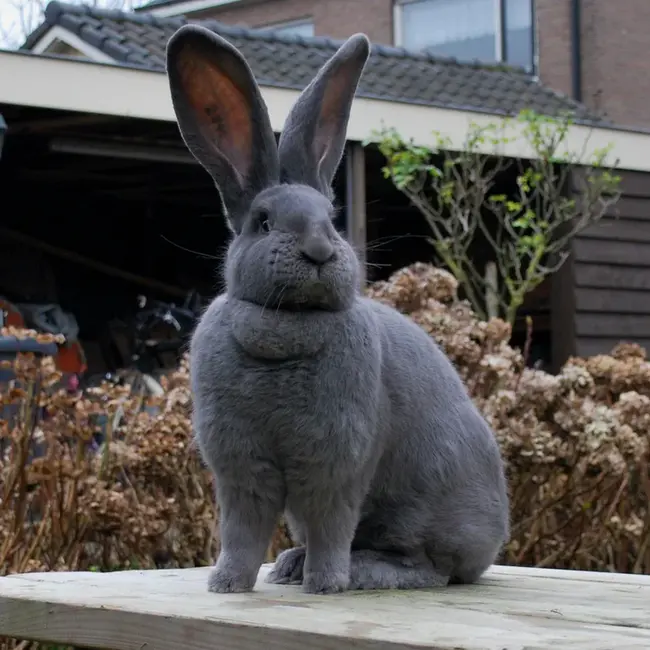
{"x": 592, "y": 50}
{"x": 100, "y": 178}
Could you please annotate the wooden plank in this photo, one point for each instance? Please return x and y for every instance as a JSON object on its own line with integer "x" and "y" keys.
{"x": 589, "y": 347}
{"x": 634, "y": 183}
{"x": 621, "y": 301}
{"x": 622, "y": 326}
{"x": 611, "y": 277}
{"x": 630, "y": 208}
{"x": 562, "y": 313}
{"x": 618, "y": 230}
{"x": 612, "y": 252}
{"x": 511, "y": 608}
{"x": 356, "y": 202}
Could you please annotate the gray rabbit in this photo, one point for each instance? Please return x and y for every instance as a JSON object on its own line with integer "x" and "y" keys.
{"x": 310, "y": 399}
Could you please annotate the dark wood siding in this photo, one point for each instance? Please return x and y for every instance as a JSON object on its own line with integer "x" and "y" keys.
{"x": 611, "y": 274}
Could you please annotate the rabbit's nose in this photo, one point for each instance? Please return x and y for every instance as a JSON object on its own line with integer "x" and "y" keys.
{"x": 318, "y": 250}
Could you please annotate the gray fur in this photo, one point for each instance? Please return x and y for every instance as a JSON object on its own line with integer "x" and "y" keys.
{"x": 312, "y": 400}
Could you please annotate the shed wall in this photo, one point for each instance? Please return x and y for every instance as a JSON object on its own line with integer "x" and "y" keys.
{"x": 603, "y": 294}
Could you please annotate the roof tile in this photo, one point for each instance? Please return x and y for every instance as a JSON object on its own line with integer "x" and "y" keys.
{"x": 117, "y": 51}
{"x": 92, "y": 35}
{"x": 70, "y": 22}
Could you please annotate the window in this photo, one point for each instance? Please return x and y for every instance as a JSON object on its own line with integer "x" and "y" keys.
{"x": 485, "y": 30}
{"x": 518, "y": 33}
{"x": 293, "y": 28}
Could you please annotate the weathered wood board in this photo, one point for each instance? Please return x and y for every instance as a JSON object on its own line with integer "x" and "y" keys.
{"x": 511, "y": 608}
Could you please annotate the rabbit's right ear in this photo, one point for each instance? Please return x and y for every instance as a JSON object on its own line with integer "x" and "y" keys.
{"x": 313, "y": 138}
{"x": 222, "y": 116}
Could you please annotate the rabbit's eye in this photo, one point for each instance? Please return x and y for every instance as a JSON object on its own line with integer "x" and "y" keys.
{"x": 263, "y": 218}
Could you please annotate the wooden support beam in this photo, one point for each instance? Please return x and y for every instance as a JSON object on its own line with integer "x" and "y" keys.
{"x": 355, "y": 202}
{"x": 61, "y": 123}
{"x": 511, "y": 607}
{"x": 102, "y": 267}
{"x": 562, "y": 300}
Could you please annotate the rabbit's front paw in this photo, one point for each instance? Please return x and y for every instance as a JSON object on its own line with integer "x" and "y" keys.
{"x": 325, "y": 583}
{"x": 224, "y": 581}
{"x": 288, "y": 567}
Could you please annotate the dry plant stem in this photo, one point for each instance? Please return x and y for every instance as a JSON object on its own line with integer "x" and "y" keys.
{"x": 643, "y": 556}
{"x": 15, "y": 494}
{"x": 550, "y": 533}
{"x": 526, "y": 351}
{"x": 619, "y": 494}
{"x": 31, "y": 550}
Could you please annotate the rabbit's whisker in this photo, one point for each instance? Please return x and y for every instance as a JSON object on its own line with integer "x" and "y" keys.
{"x": 273, "y": 274}
{"x": 206, "y": 256}
{"x": 284, "y": 288}
{"x": 266, "y": 302}
{"x": 375, "y": 243}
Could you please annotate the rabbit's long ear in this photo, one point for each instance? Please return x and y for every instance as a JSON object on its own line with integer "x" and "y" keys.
{"x": 222, "y": 116}
{"x": 312, "y": 141}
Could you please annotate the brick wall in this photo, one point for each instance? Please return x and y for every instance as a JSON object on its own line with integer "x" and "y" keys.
{"x": 615, "y": 55}
{"x": 554, "y": 43}
{"x": 615, "y": 52}
{"x": 335, "y": 18}
{"x": 616, "y": 59}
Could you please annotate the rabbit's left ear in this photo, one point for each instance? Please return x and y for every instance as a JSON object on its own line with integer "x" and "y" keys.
{"x": 222, "y": 116}
{"x": 312, "y": 141}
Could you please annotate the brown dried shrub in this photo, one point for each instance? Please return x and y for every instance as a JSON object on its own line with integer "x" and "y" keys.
{"x": 575, "y": 444}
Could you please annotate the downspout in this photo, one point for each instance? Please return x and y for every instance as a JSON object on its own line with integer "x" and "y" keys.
{"x": 576, "y": 49}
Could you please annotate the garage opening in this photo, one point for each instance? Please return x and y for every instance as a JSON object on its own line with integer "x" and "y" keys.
{"x": 105, "y": 217}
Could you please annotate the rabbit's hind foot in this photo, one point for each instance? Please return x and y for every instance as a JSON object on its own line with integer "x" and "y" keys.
{"x": 369, "y": 570}
{"x": 372, "y": 569}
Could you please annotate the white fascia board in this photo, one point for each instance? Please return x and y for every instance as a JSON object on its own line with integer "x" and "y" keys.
{"x": 86, "y": 87}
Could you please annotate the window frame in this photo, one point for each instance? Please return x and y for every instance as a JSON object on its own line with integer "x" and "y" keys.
{"x": 296, "y": 22}
{"x": 500, "y": 41}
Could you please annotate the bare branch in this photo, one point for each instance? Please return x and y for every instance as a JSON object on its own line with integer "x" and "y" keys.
{"x": 534, "y": 226}
{"x": 22, "y": 17}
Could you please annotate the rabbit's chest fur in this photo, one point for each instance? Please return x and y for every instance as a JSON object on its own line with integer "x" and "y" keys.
{"x": 299, "y": 390}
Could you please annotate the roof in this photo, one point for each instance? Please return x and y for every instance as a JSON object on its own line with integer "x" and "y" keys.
{"x": 289, "y": 61}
